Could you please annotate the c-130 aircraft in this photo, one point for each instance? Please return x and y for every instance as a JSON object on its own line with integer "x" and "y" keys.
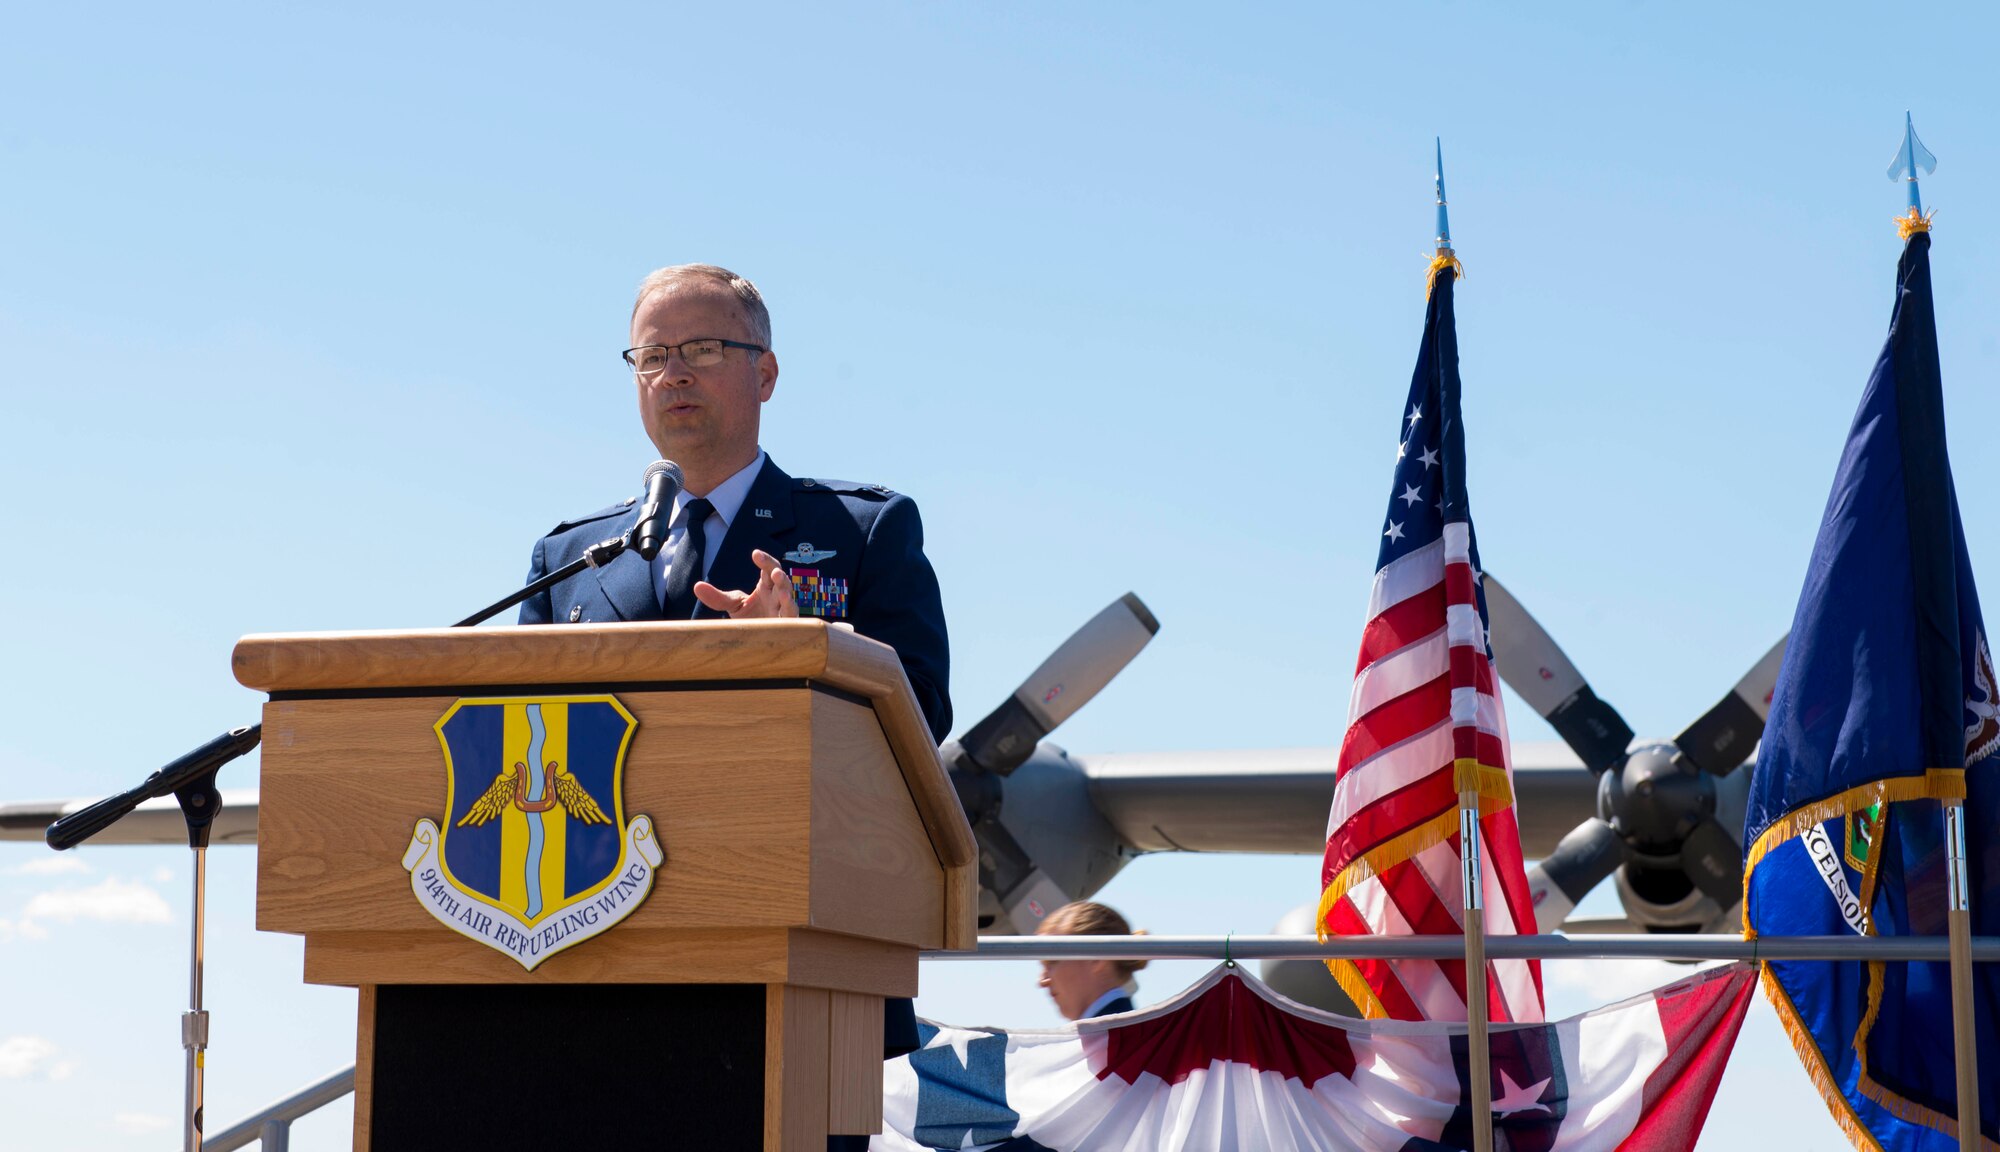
{"x": 1662, "y": 818}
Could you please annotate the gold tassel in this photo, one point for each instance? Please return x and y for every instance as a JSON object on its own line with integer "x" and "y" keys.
{"x": 1910, "y": 223}
{"x": 1444, "y": 259}
{"x": 1495, "y": 790}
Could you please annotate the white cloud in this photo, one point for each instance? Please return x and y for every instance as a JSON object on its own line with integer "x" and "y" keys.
{"x": 23, "y": 1056}
{"x": 113, "y": 901}
{"x": 63, "y": 1069}
{"x": 51, "y": 865}
{"x": 25, "y": 929}
{"x": 162, "y": 874}
{"x": 141, "y": 1122}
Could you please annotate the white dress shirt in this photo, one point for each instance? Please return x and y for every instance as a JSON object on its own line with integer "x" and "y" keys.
{"x": 728, "y": 500}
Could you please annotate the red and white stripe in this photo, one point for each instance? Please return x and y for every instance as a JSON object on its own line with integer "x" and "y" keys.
{"x": 1424, "y": 702}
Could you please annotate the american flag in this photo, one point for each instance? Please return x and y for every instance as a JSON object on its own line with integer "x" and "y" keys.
{"x": 1425, "y": 720}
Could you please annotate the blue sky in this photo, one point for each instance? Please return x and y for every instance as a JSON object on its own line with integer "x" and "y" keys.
{"x": 310, "y": 319}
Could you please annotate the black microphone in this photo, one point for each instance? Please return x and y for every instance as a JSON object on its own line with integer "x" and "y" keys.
{"x": 663, "y": 481}
{"x": 82, "y": 824}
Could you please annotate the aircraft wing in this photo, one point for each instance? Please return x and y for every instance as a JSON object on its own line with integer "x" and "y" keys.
{"x": 154, "y": 822}
{"x": 1258, "y": 800}
{"x": 1276, "y": 800}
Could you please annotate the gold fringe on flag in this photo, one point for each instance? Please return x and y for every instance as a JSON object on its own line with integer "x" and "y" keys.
{"x": 1910, "y": 223}
{"x": 1837, "y": 1104}
{"x": 1351, "y": 981}
{"x": 1934, "y": 784}
{"x": 1444, "y": 259}
{"x": 1496, "y": 794}
{"x": 1816, "y": 1070}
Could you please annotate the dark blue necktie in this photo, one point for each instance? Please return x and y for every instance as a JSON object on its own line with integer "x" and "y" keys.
{"x": 687, "y": 563}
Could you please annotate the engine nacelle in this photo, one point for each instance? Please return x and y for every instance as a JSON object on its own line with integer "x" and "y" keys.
{"x": 1660, "y": 897}
{"x": 1045, "y": 805}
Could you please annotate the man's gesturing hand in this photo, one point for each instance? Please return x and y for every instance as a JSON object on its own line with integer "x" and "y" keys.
{"x": 771, "y": 597}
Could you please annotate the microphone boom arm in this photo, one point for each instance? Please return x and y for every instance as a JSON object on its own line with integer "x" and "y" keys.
{"x": 186, "y": 771}
{"x": 596, "y": 556}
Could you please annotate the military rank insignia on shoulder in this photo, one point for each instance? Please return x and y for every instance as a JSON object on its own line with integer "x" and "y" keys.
{"x": 842, "y": 487}
{"x": 817, "y": 595}
{"x": 600, "y": 514}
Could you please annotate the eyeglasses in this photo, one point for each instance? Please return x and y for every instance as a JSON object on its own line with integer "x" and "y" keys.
{"x": 649, "y": 360}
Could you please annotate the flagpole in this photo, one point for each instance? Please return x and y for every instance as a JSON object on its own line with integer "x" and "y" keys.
{"x": 1479, "y": 1056}
{"x": 1478, "y": 1050}
{"x": 1912, "y": 161}
{"x": 1958, "y": 920}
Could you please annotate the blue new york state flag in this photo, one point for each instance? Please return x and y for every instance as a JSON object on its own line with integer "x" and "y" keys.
{"x": 1885, "y": 706}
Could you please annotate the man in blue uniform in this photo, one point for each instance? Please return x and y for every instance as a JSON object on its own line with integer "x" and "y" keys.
{"x": 746, "y": 540}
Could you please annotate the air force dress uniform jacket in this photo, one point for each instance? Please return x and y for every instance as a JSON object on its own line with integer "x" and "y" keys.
{"x": 855, "y": 552}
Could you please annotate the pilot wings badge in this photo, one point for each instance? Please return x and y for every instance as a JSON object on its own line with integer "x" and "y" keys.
{"x": 535, "y": 853}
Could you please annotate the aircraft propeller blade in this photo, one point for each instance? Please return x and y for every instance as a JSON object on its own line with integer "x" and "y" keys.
{"x": 1713, "y": 859}
{"x": 1591, "y": 851}
{"x": 991, "y": 749}
{"x": 1654, "y": 800}
{"x": 1066, "y": 681}
{"x": 1533, "y": 665}
{"x": 1726, "y": 734}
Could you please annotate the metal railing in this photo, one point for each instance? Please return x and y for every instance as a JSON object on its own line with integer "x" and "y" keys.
{"x": 272, "y": 1126}
{"x": 1607, "y": 947}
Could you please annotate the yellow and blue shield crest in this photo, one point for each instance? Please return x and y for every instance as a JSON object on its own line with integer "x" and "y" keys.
{"x": 535, "y": 853}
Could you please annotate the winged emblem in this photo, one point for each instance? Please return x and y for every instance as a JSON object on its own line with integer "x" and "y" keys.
{"x": 534, "y": 826}
{"x": 510, "y": 787}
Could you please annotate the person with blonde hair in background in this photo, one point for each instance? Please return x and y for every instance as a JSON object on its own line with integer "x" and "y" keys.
{"x": 1085, "y": 989}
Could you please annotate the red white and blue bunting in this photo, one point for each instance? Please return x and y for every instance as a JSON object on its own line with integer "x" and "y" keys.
{"x": 1229, "y": 1064}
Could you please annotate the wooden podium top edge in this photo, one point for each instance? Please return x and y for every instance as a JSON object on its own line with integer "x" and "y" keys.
{"x": 548, "y": 654}
{"x": 653, "y": 652}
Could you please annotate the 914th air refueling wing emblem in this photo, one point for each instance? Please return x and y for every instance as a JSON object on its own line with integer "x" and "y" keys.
{"x": 535, "y": 854}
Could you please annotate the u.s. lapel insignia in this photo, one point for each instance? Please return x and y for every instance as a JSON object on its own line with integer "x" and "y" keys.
{"x": 819, "y": 595}
{"x": 763, "y": 513}
{"x": 535, "y": 853}
{"x": 807, "y": 554}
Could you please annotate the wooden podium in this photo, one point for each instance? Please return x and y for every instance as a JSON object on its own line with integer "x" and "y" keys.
{"x": 812, "y": 846}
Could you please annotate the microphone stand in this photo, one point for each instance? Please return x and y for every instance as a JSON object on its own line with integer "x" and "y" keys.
{"x": 191, "y": 780}
{"x": 199, "y": 803}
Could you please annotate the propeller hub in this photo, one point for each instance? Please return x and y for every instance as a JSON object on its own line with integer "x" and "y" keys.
{"x": 1655, "y": 799}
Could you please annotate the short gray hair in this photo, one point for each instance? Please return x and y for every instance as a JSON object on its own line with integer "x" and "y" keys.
{"x": 748, "y": 299}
